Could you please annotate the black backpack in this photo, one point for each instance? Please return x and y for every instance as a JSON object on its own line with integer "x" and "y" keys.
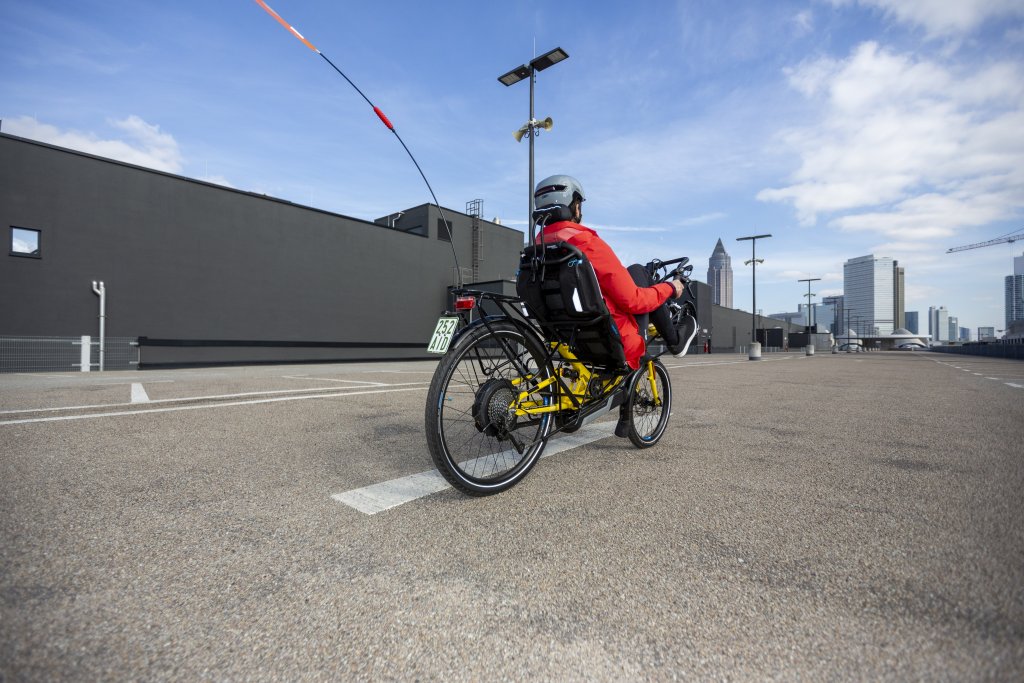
{"x": 560, "y": 289}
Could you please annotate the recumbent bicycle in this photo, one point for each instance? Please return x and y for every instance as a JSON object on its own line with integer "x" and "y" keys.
{"x": 546, "y": 361}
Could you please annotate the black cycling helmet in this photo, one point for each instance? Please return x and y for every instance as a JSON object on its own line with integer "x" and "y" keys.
{"x": 553, "y": 198}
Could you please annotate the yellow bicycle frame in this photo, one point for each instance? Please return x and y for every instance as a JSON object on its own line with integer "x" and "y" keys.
{"x": 574, "y": 375}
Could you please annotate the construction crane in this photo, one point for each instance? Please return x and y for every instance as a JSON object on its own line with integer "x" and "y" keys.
{"x": 1009, "y": 237}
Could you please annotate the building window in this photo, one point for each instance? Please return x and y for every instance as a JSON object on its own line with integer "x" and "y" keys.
{"x": 412, "y": 230}
{"x": 442, "y": 233}
{"x": 25, "y": 242}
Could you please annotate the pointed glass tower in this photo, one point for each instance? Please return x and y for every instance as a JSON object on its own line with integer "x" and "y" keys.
{"x": 720, "y": 276}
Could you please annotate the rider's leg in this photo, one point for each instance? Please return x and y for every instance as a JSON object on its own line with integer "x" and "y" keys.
{"x": 662, "y": 322}
{"x": 660, "y": 316}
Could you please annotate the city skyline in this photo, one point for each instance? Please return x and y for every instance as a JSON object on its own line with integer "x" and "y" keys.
{"x": 1014, "y": 305}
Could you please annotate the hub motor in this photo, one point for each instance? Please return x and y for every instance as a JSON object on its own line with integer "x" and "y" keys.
{"x": 491, "y": 409}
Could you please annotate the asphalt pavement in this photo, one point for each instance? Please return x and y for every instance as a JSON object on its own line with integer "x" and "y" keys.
{"x": 834, "y": 517}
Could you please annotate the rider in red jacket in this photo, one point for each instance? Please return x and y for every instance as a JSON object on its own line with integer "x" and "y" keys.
{"x": 627, "y": 292}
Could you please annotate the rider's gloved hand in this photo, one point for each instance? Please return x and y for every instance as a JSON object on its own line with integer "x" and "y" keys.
{"x": 678, "y": 284}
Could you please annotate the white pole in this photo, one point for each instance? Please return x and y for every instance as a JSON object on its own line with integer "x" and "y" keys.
{"x": 101, "y": 292}
{"x": 85, "y": 353}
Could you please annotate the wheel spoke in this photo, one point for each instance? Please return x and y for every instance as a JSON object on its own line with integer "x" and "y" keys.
{"x": 472, "y": 425}
{"x": 650, "y": 416}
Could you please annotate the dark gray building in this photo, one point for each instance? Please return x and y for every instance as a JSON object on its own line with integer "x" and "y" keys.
{"x": 204, "y": 274}
{"x": 207, "y": 274}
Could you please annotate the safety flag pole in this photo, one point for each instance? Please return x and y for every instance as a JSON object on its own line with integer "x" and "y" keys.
{"x": 384, "y": 119}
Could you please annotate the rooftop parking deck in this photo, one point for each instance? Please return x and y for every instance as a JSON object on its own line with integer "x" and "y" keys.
{"x": 843, "y": 517}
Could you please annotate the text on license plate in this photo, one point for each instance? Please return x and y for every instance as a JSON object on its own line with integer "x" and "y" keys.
{"x": 443, "y": 334}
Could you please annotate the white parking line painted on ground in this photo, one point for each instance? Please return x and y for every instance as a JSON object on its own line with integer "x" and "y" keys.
{"x": 332, "y": 379}
{"x": 139, "y": 394}
{"x": 198, "y": 398}
{"x": 90, "y": 416}
{"x": 704, "y": 364}
{"x": 1015, "y": 386}
{"x": 389, "y": 494}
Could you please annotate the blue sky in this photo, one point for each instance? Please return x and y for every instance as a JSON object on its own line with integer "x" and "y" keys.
{"x": 842, "y": 127}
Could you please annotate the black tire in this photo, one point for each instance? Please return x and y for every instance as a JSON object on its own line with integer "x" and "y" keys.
{"x": 649, "y": 416}
{"x": 571, "y": 428}
{"x": 478, "y": 445}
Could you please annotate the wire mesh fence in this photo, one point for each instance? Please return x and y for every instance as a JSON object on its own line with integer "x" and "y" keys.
{"x": 65, "y": 354}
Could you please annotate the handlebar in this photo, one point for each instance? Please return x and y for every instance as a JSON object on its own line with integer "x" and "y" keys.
{"x": 681, "y": 272}
{"x": 682, "y": 259}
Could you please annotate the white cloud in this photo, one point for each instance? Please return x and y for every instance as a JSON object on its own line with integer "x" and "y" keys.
{"x": 144, "y": 144}
{"x": 804, "y": 22}
{"x": 704, "y": 218}
{"x": 906, "y": 147}
{"x": 943, "y": 18}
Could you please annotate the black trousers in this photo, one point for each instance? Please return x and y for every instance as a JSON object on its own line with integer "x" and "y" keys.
{"x": 659, "y": 316}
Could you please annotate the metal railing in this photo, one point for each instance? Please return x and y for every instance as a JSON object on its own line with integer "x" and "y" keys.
{"x": 67, "y": 354}
{"x": 769, "y": 349}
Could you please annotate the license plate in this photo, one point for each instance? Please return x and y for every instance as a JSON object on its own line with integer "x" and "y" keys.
{"x": 443, "y": 334}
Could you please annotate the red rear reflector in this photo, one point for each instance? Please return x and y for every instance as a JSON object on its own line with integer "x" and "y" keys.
{"x": 464, "y": 303}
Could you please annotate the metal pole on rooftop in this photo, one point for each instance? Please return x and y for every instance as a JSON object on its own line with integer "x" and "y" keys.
{"x": 529, "y": 190}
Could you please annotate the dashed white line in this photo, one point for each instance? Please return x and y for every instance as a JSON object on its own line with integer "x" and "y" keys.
{"x": 1015, "y": 386}
{"x": 389, "y": 494}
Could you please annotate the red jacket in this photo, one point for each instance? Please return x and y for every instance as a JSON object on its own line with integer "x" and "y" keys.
{"x": 623, "y": 297}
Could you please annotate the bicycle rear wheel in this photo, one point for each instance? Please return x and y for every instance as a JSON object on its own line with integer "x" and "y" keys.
{"x": 475, "y": 438}
{"x": 650, "y": 404}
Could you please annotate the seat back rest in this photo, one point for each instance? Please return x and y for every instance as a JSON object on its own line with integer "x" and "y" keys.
{"x": 561, "y": 292}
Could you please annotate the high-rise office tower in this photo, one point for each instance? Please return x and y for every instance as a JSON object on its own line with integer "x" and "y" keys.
{"x": 912, "y": 324}
{"x": 898, "y": 303}
{"x": 720, "y": 276}
{"x": 938, "y": 323}
{"x": 1015, "y": 292}
{"x": 868, "y": 292}
{"x": 837, "y": 323}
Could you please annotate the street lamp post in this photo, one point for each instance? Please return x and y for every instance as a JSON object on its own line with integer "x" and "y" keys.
{"x": 810, "y": 309}
{"x": 530, "y": 128}
{"x": 846, "y": 332}
{"x": 755, "y": 346}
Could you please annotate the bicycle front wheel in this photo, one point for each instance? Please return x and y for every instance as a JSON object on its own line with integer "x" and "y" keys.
{"x": 477, "y": 434}
{"x": 650, "y": 404}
